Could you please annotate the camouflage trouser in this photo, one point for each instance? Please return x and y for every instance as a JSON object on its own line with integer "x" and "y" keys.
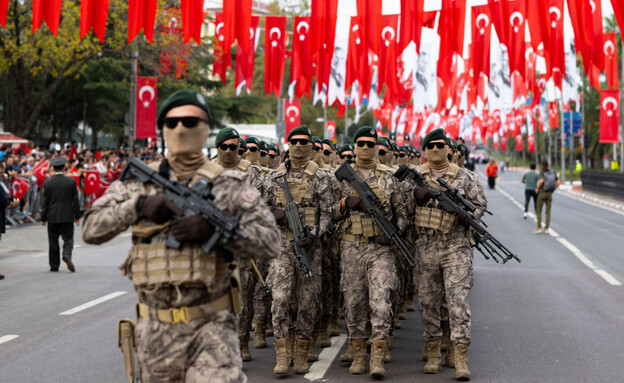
{"x": 445, "y": 272}
{"x": 288, "y": 285}
{"x": 331, "y": 280}
{"x": 262, "y": 301}
{"x": 368, "y": 280}
{"x": 248, "y": 280}
{"x": 202, "y": 350}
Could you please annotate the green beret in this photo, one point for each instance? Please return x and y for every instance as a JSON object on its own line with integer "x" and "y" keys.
{"x": 215, "y": 157}
{"x": 385, "y": 141}
{"x": 365, "y": 131}
{"x": 252, "y": 140}
{"x": 243, "y": 144}
{"x": 225, "y": 134}
{"x": 180, "y": 98}
{"x": 264, "y": 146}
{"x": 303, "y": 129}
{"x": 404, "y": 148}
{"x": 452, "y": 143}
{"x": 329, "y": 142}
{"x": 345, "y": 148}
{"x": 395, "y": 147}
{"x": 317, "y": 140}
{"x": 58, "y": 162}
{"x": 273, "y": 147}
{"x": 436, "y": 134}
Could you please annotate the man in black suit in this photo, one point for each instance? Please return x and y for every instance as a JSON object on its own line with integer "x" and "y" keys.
{"x": 5, "y": 203}
{"x": 60, "y": 208}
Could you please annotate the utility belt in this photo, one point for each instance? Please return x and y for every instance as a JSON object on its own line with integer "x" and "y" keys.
{"x": 182, "y": 314}
{"x": 359, "y": 238}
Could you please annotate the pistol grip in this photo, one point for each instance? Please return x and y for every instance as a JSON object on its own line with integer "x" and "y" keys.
{"x": 172, "y": 242}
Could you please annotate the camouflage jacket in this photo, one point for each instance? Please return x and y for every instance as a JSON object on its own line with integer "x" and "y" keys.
{"x": 253, "y": 173}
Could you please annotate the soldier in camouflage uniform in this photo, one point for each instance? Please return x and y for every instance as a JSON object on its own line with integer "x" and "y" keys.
{"x": 228, "y": 144}
{"x": 345, "y": 153}
{"x": 253, "y": 150}
{"x": 445, "y": 256}
{"x": 274, "y": 156}
{"x": 186, "y": 330}
{"x": 310, "y": 187}
{"x": 367, "y": 261}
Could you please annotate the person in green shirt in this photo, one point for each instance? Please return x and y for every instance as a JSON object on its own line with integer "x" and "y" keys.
{"x": 529, "y": 179}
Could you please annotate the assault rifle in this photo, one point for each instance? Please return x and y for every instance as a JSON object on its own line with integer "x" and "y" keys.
{"x": 456, "y": 204}
{"x": 374, "y": 208}
{"x": 293, "y": 214}
{"x": 196, "y": 199}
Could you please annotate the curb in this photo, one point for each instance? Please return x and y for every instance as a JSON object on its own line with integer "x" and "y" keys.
{"x": 596, "y": 200}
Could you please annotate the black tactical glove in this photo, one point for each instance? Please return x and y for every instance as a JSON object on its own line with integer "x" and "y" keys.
{"x": 307, "y": 244}
{"x": 192, "y": 228}
{"x": 463, "y": 220}
{"x": 354, "y": 203}
{"x": 383, "y": 240}
{"x": 422, "y": 195}
{"x": 280, "y": 217}
{"x": 156, "y": 208}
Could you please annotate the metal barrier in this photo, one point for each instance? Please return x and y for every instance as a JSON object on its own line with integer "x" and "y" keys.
{"x": 609, "y": 183}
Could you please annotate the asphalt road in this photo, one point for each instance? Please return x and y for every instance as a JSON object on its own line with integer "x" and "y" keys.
{"x": 555, "y": 317}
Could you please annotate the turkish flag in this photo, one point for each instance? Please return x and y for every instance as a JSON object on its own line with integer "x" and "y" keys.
{"x": 222, "y": 54}
{"x": 40, "y": 170}
{"x": 530, "y": 72}
{"x": 519, "y": 86}
{"x": 451, "y": 27}
{"x": 330, "y": 130}
{"x": 19, "y": 187}
{"x": 593, "y": 28}
{"x": 324, "y": 14}
{"x": 141, "y": 15}
{"x": 91, "y": 182}
{"x": 503, "y": 143}
{"x": 531, "y": 144}
{"x": 555, "y": 55}
{"x": 102, "y": 187}
{"x": 192, "y": 19}
{"x": 618, "y": 9}
{"x": 518, "y": 116}
{"x": 358, "y": 68}
{"x": 4, "y": 8}
{"x": 181, "y": 62}
{"x": 75, "y": 177}
{"x": 519, "y": 143}
{"x": 610, "y": 60}
{"x": 516, "y": 15}
{"x": 301, "y": 63}
{"x": 48, "y": 11}
{"x": 481, "y": 32}
{"x": 500, "y": 20}
{"x": 539, "y": 19}
{"x": 609, "y": 116}
{"x": 411, "y": 23}
{"x": 146, "y": 106}
{"x": 388, "y": 58}
{"x": 274, "y": 53}
{"x": 538, "y": 89}
{"x": 110, "y": 175}
{"x": 237, "y": 19}
{"x": 292, "y": 114}
{"x": 371, "y": 13}
{"x": 93, "y": 13}
{"x": 553, "y": 114}
{"x": 245, "y": 60}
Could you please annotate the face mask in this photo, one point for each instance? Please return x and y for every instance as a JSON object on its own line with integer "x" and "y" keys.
{"x": 264, "y": 161}
{"x": 386, "y": 158}
{"x": 328, "y": 159}
{"x": 273, "y": 163}
{"x": 253, "y": 156}
{"x": 185, "y": 148}
{"x": 227, "y": 158}
{"x": 299, "y": 156}
{"x": 437, "y": 158}
{"x": 366, "y": 157}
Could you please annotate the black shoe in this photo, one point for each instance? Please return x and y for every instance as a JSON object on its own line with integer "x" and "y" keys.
{"x": 70, "y": 265}
{"x": 1, "y": 277}
{"x": 53, "y": 269}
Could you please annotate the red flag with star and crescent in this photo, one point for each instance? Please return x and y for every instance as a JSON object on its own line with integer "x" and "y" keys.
{"x": 91, "y": 183}
{"x": 40, "y": 170}
{"x": 292, "y": 114}
{"x": 19, "y": 187}
{"x": 146, "y": 107}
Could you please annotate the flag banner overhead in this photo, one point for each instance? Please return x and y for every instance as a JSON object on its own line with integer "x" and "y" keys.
{"x": 146, "y": 107}
{"x": 609, "y": 116}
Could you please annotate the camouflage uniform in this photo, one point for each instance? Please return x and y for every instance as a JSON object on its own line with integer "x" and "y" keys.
{"x": 284, "y": 278}
{"x": 205, "y": 348}
{"x": 445, "y": 258}
{"x": 368, "y": 269}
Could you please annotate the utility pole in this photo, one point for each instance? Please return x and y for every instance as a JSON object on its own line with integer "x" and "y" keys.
{"x": 562, "y": 135}
{"x": 571, "y": 148}
{"x": 132, "y": 124}
{"x": 583, "y": 147}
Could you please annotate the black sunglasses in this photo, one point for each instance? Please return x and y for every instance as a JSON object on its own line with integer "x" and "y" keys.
{"x": 402, "y": 155}
{"x": 382, "y": 152}
{"x": 418, "y": 156}
{"x": 370, "y": 144}
{"x": 187, "y": 122}
{"x": 348, "y": 156}
{"x": 439, "y": 145}
{"x": 316, "y": 148}
{"x": 225, "y": 147}
{"x": 327, "y": 152}
{"x": 241, "y": 151}
{"x": 263, "y": 154}
{"x": 272, "y": 156}
{"x": 252, "y": 149}
{"x": 300, "y": 141}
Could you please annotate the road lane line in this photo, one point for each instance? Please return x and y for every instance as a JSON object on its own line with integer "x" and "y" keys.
{"x": 7, "y": 338}
{"x": 93, "y": 303}
{"x": 573, "y": 249}
{"x": 326, "y": 357}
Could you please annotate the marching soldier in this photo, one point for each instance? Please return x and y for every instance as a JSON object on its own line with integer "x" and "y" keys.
{"x": 274, "y": 156}
{"x": 385, "y": 155}
{"x": 445, "y": 258}
{"x": 345, "y": 153}
{"x": 310, "y": 188}
{"x": 188, "y": 300}
{"x": 253, "y": 150}
{"x": 367, "y": 260}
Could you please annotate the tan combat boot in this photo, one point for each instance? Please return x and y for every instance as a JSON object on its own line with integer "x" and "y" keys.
{"x": 348, "y": 355}
{"x": 434, "y": 358}
{"x": 323, "y": 336}
{"x": 333, "y": 329}
{"x": 312, "y": 354}
{"x": 446, "y": 335}
{"x": 359, "y": 357}
{"x": 379, "y": 350}
{"x": 282, "y": 360}
{"x": 301, "y": 356}
{"x": 244, "y": 347}
{"x": 423, "y": 353}
{"x": 461, "y": 362}
{"x": 402, "y": 313}
{"x": 449, "y": 358}
{"x": 409, "y": 304}
{"x": 260, "y": 335}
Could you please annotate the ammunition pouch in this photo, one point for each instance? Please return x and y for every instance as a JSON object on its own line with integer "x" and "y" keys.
{"x": 126, "y": 341}
{"x": 433, "y": 218}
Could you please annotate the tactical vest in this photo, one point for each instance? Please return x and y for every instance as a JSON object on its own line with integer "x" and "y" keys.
{"x": 431, "y": 217}
{"x": 300, "y": 193}
{"x": 362, "y": 224}
{"x": 151, "y": 264}
{"x": 243, "y": 165}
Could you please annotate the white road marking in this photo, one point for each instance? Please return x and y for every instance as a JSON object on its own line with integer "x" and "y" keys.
{"x": 125, "y": 235}
{"x": 93, "y": 303}
{"x": 7, "y": 338}
{"x": 326, "y": 357}
{"x": 573, "y": 249}
{"x": 38, "y": 255}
